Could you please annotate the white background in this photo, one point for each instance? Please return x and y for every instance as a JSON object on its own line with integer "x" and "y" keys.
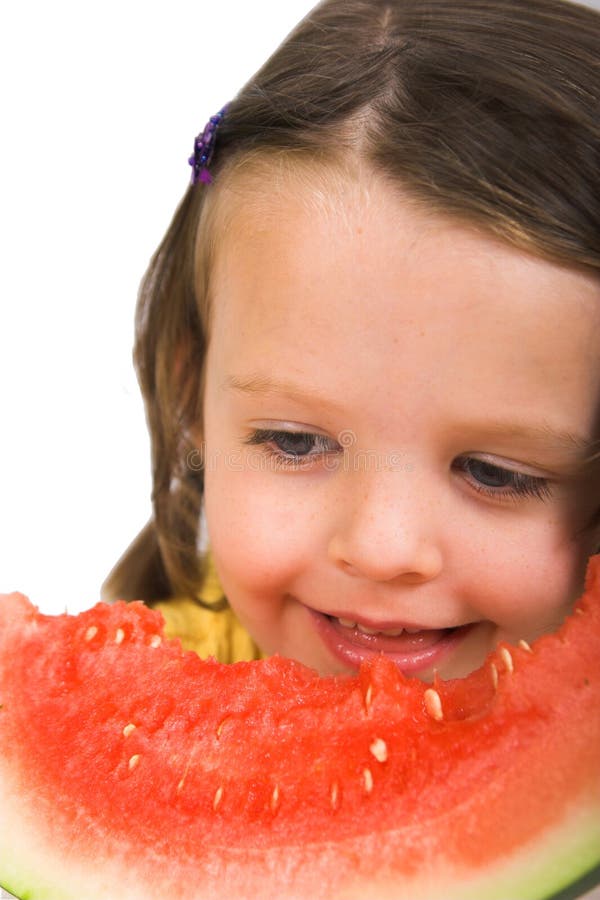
{"x": 100, "y": 106}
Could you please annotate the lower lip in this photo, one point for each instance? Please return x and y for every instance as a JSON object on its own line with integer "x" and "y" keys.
{"x": 351, "y": 647}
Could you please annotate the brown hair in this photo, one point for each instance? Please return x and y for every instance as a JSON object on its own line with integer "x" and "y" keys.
{"x": 488, "y": 110}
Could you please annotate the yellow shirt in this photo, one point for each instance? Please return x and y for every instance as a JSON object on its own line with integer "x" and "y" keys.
{"x": 209, "y": 633}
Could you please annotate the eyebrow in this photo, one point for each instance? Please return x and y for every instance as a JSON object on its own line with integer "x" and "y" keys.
{"x": 537, "y": 435}
{"x": 263, "y": 384}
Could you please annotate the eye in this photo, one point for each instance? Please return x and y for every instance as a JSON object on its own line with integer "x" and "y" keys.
{"x": 487, "y": 474}
{"x": 294, "y": 443}
{"x": 500, "y": 482}
{"x": 292, "y": 448}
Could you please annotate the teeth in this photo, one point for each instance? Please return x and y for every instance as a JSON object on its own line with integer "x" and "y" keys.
{"x": 365, "y": 630}
{"x": 391, "y": 632}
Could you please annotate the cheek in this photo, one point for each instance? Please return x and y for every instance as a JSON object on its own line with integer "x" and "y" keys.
{"x": 260, "y": 534}
{"x": 528, "y": 588}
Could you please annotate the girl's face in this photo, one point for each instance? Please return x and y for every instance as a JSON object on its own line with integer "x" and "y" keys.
{"x": 396, "y": 413}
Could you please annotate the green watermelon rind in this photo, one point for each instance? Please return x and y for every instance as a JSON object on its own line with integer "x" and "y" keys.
{"x": 586, "y": 887}
{"x": 561, "y": 865}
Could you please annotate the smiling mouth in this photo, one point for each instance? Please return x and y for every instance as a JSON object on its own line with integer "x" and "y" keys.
{"x": 399, "y": 638}
{"x": 413, "y": 649}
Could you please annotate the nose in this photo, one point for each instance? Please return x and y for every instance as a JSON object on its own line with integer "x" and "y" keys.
{"x": 387, "y": 529}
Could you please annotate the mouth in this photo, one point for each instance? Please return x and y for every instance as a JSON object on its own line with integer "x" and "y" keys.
{"x": 413, "y": 648}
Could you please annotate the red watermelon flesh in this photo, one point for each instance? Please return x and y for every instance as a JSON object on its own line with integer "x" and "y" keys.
{"x": 131, "y": 769}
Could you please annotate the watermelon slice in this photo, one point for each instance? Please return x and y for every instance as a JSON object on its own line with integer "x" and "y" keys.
{"x": 132, "y": 769}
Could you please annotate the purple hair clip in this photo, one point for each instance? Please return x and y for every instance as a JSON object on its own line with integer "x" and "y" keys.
{"x": 204, "y": 147}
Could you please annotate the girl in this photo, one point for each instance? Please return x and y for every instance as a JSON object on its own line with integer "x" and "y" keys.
{"x": 369, "y": 343}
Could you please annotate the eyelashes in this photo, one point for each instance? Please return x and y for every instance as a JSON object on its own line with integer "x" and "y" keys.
{"x": 497, "y": 481}
{"x": 292, "y": 448}
{"x": 300, "y": 450}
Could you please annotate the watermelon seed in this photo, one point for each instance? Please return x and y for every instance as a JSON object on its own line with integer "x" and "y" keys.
{"x": 275, "y": 799}
{"x": 91, "y": 633}
{"x": 368, "y": 697}
{"x": 368, "y": 777}
{"x": 183, "y": 777}
{"x": 494, "y": 672}
{"x": 217, "y": 797}
{"x": 128, "y": 729}
{"x": 155, "y": 640}
{"x": 134, "y": 761}
{"x": 334, "y": 795}
{"x": 507, "y": 659}
{"x": 433, "y": 704}
{"x": 579, "y": 611}
{"x": 185, "y": 773}
{"x": 221, "y": 725}
{"x": 525, "y": 646}
{"x": 119, "y": 636}
{"x": 379, "y": 750}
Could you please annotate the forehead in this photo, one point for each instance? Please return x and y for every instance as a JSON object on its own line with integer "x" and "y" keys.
{"x": 279, "y": 198}
{"x": 330, "y": 274}
{"x": 277, "y": 192}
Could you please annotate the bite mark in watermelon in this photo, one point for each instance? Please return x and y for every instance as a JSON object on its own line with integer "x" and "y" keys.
{"x": 130, "y": 768}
